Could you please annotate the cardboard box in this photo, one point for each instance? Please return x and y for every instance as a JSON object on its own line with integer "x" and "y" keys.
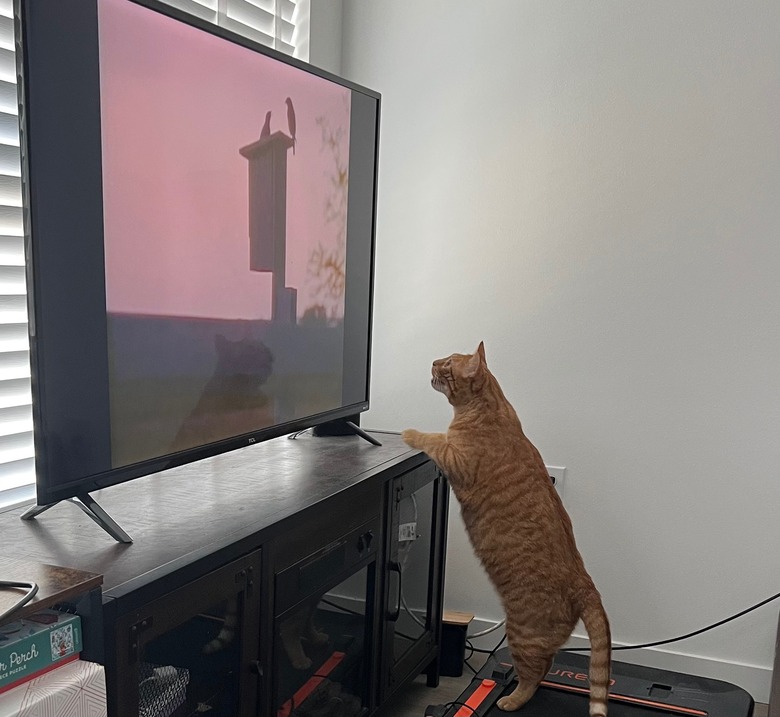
{"x": 77, "y": 689}
{"x": 36, "y": 644}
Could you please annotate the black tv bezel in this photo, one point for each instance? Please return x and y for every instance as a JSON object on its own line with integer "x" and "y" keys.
{"x": 48, "y": 492}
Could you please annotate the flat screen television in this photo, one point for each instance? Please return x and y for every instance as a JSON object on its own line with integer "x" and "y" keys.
{"x": 199, "y": 224}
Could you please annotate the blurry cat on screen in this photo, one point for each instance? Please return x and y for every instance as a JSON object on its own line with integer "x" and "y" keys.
{"x": 518, "y": 527}
{"x": 233, "y": 401}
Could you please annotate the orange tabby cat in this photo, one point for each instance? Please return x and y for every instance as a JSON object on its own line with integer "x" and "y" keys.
{"x": 518, "y": 527}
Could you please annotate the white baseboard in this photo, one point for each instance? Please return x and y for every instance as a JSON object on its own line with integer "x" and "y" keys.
{"x": 752, "y": 678}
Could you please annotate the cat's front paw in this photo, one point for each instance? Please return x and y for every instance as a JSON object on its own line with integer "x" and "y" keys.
{"x": 301, "y": 663}
{"x": 317, "y": 637}
{"x": 412, "y": 438}
{"x": 508, "y": 704}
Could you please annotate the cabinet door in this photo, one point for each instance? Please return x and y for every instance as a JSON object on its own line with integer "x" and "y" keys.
{"x": 413, "y": 575}
{"x": 323, "y": 651}
{"x": 193, "y": 650}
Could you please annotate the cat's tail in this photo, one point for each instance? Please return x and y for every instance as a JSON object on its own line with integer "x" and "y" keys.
{"x": 228, "y": 631}
{"x": 595, "y": 620}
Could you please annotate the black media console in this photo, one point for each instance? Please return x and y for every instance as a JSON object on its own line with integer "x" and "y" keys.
{"x": 285, "y": 579}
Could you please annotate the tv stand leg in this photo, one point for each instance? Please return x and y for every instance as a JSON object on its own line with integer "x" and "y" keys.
{"x": 360, "y": 432}
{"x": 349, "y": 426}
{"x": 35, "y": 510}
{"x": 90, "y": 506}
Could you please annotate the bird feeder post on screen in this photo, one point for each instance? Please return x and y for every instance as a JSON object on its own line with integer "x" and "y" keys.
{"x": 268, "y": 217}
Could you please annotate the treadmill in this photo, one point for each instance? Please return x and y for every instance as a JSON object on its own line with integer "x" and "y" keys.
{"x": 635, "y": 692}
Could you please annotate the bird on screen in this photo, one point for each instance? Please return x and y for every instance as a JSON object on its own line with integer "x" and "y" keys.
{"x": 291, "y": 120}
{"x": 266, "y": 131}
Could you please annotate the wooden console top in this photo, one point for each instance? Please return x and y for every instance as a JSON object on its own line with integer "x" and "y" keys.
{"x": 209, "y": 511}
{"x": 55, "y": 585}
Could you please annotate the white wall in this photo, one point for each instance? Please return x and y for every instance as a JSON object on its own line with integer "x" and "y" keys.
{"x": 593, "y": 188}
{"x": 325, "y": 41}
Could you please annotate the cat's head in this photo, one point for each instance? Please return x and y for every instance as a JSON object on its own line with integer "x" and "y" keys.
{"x": 460, "y": 377}
{"x": 245, "y": 360}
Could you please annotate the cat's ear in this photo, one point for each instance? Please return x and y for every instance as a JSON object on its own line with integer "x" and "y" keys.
{"x": 476, "y": 361}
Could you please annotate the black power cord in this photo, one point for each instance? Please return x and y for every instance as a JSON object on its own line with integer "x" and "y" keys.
{"x": 687, "y": 635}
{"x": 30, "y": 587}
{"x": 441, "y": 710}
{"x": 679, "y": 638}
{"x": 474, "y": 650}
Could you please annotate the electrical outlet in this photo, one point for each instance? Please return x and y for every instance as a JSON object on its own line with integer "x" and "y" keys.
{"x": 557, "y": 474}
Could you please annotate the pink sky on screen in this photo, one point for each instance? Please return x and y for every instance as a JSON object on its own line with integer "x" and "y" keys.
{"x": 174, "y": 115}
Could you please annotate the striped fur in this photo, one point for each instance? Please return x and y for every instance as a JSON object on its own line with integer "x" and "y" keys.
{"x": 295, "y": 629}
{"x": 227, "y": 632}
{"x": 518, "y": 527}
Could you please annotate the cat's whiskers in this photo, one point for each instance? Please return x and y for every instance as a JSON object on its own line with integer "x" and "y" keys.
{"x": 443, "y": 384}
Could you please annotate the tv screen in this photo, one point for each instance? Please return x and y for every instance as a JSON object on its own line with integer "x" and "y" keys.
{"x": 200, "y": 234}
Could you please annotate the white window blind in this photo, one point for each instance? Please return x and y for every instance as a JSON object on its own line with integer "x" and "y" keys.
{"x": 16, "y": 443}
{"x": 281, "y": 24}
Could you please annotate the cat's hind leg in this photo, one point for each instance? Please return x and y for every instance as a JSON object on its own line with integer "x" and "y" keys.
{"x": 530, "y": 670}
{"x": 291, "y": 641}
{"x": 313, "y": 634}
